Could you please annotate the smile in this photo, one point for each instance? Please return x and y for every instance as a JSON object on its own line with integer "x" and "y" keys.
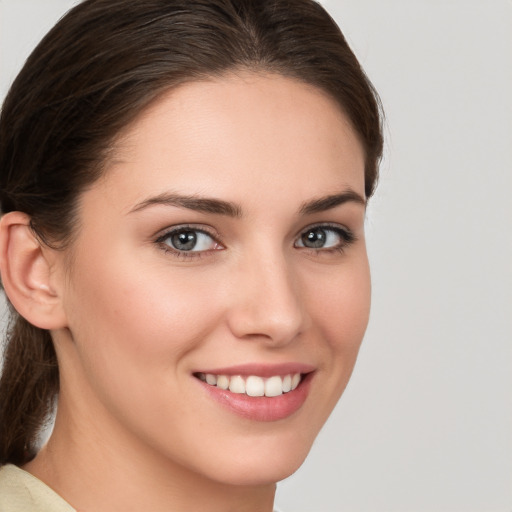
{"x": 259, "y": 392}
{"x": 253, "y": 385}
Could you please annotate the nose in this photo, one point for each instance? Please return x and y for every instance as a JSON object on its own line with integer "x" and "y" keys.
{"x": 266, "y": 302}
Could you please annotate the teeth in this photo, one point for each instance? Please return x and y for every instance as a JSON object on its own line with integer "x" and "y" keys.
{"x": 237, "y": 384}
{"x": 211, "y": 379}
{"x": 222, "y": 382}
{"x": 274, "y": 386}
{"x": 253, "y": 385}
{"x": 287, "y": 383}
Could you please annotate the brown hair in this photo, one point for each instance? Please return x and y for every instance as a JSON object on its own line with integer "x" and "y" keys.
{"x": 92, "y": 74}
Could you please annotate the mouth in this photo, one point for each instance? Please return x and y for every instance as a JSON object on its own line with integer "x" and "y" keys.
{"x": 253, "y": 385}
{"x": 259, "y": 393}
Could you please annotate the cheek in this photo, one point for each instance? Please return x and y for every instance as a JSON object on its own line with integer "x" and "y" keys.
{"x": 339, "y": 312}
{"x": 132, "y": 331}
{"x": 341, "y": 316}
{"x": 128, "y": 321}
{"x": 342, "y": 309}
{"x": 138, "y": 298}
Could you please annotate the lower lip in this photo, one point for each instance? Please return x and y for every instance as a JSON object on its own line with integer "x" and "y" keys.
{"x": 262, "y": 408}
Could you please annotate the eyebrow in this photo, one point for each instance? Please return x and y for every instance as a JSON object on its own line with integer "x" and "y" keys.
{"x": 200, "y": 204}
{"x": 323, "y": 204}
{"x": 220, "y": 207}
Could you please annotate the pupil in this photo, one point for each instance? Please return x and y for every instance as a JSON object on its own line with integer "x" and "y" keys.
{"x": 314, "y": 238}
{"x": 185, "y": 240}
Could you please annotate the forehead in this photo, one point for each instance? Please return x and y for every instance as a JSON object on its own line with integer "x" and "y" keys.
{"x": 229, "y": 135}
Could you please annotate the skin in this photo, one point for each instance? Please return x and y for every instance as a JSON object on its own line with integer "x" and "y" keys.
{"x": 134, "y": 429}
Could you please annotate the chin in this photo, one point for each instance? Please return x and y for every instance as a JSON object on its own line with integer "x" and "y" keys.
{"x": 265, "y": 463}
{"x": 269, "y": 472}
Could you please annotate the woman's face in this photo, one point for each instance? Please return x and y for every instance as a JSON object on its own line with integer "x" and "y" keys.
{"x": 224, "y": 242}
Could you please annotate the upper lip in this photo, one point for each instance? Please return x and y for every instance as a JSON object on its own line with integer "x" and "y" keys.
{"x": 260, "y": 369}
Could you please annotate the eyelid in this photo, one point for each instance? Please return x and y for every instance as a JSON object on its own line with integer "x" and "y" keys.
{"x": 203, "y": 228}
{"x": 326, "y": 225}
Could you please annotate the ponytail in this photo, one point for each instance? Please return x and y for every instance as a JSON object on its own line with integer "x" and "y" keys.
{"x": 28, "y": 387}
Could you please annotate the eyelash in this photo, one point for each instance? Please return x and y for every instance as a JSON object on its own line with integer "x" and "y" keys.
{"x": 346, "y": 236}
{"x": 187, "y": 255}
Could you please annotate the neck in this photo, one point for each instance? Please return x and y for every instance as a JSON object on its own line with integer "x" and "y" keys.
{"x": 109, "y": 471}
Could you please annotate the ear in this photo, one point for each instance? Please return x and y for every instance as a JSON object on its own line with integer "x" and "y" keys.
{"x": 26, "y": 270}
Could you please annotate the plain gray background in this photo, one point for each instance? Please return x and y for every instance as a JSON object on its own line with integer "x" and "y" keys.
{"x": 426, "y": 422}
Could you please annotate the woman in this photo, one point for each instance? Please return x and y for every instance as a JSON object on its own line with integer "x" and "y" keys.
{"x": 183, "y": 188}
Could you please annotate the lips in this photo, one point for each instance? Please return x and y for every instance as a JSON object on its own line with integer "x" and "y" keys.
{"x": 258, "y": 392}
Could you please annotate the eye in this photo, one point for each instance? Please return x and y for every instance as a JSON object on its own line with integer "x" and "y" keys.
{"x": 189, "y": 239}
{"x": 325, "y": 237}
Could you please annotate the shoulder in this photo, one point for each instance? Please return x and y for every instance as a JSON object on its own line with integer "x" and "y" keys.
{"x": 22, "y": 492}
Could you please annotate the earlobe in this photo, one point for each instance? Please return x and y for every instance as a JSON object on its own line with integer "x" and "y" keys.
{"x": 27, "y": 275}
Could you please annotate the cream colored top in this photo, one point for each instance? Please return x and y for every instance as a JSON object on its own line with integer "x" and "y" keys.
{"x": 22, "y": 492}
